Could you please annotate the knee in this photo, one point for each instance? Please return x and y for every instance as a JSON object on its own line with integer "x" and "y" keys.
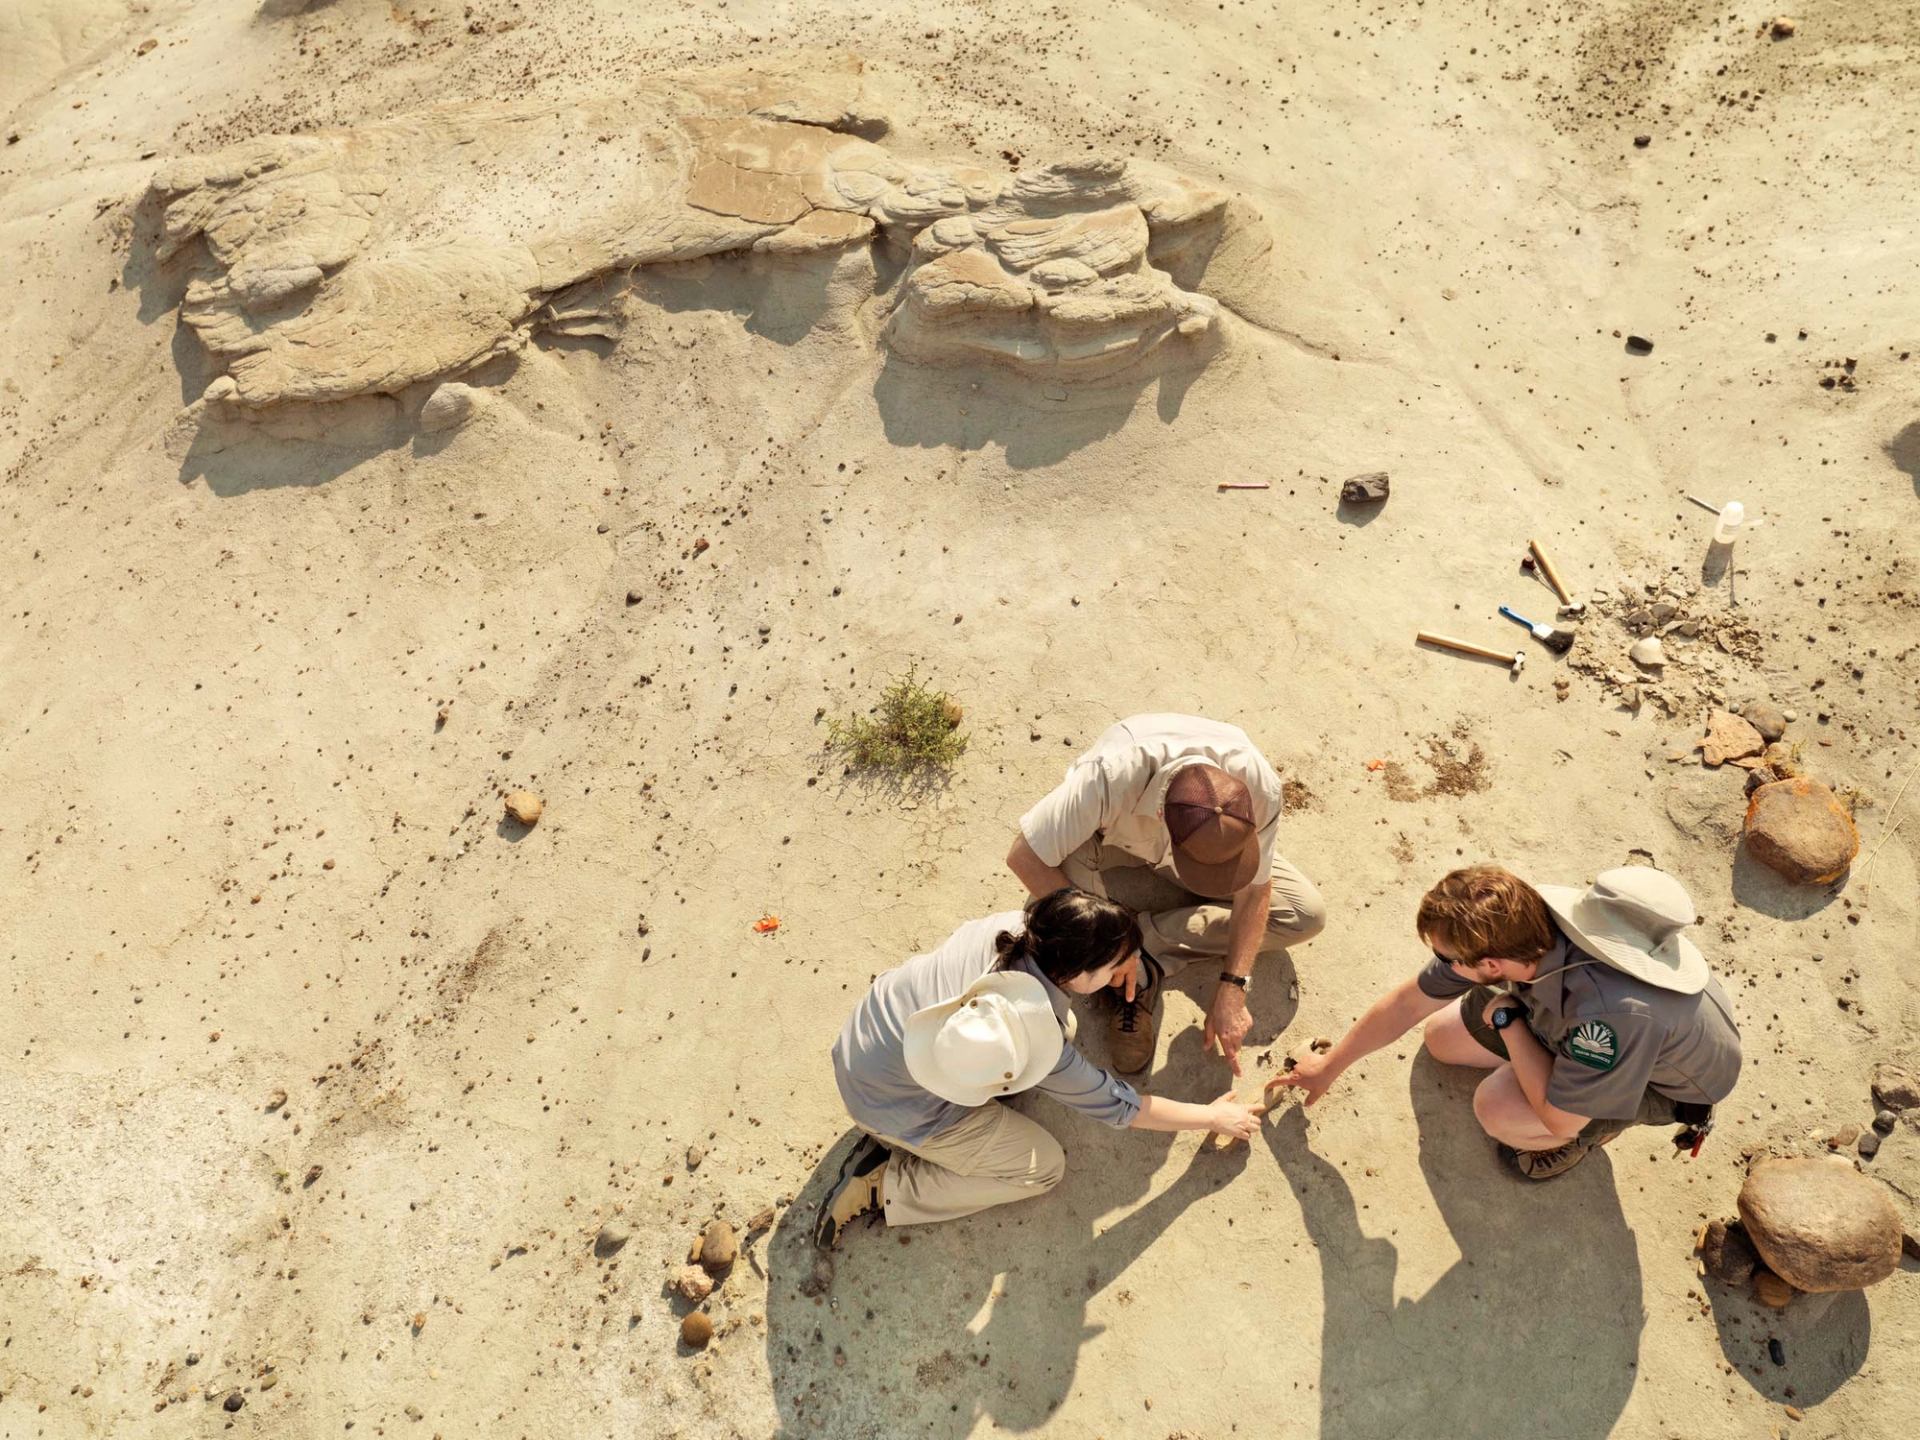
{"x": 1493, "y": 1103}
{"x": 1300, "y": 916}
{"x": 1049, "y": 1164}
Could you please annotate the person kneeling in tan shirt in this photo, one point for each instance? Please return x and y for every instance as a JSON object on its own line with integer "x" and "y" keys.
{"x": 1174, "y": 817}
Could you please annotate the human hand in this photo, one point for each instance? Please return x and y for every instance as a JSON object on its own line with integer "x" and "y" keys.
{"x": 1227, "y": 1023}
{"x": 1127, "y": 978}
{"x": 1315, "y": 1075}
{"x": 1231, "y": 1120}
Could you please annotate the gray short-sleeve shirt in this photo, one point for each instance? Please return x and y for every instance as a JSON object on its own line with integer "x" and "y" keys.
{"x": 869, "y": 1058}
{"x": 1614, "y": 1037}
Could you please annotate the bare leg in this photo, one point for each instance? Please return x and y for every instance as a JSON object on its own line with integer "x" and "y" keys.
{"x": 1501, "y": 1107}
{"x": 1450, "y": 1042}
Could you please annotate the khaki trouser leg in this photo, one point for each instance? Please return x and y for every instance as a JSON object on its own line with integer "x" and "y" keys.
{"x": 994, "y": 1156}
{"x": 1179, "y": 926}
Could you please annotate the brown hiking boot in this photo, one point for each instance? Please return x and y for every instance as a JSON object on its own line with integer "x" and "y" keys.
{"x": 1548, "y": 1164}
{"x": 1130, "y": 1033}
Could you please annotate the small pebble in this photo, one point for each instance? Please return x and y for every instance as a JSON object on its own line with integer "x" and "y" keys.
{"x": 1775, "y": 1352}
{"x": 719, "y": 1247}
{"x": 695, "y": 1154}
{"x": 610, "y": 1240}
{"x": 1869, "y": 1145}
{"x": 696, "y": 1330}
{"x": 693, "y": 1283}
{"x": 1884, "y": 1121}
{"x": 233, "y": 1401}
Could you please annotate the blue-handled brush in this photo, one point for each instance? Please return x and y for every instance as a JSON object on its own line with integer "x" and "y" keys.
{"x": 1552, "y": 636}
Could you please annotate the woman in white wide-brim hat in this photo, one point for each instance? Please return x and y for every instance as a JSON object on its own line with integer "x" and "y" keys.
{"x": 937, "y": 1044}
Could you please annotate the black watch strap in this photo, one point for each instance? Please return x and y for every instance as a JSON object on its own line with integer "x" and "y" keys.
{"x": 1227, "y": 977}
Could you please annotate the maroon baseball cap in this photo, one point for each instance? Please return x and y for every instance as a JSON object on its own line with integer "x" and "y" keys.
{"x": 1216, "y": 846}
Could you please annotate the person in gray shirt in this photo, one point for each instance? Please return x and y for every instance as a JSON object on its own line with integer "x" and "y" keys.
{"x": 1606, "y": 1015}
{"x": 928, "y": 1056}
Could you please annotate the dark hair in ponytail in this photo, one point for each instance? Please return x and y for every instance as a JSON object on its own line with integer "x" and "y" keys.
{"x": 1067, "y": 934}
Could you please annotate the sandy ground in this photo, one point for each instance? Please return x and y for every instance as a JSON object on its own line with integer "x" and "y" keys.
{"x": 242, "y": 855}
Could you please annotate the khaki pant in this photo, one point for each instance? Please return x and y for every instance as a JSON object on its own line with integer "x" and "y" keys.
{"x": 1177, "y": 925}
{"x": 993, "y": 1156}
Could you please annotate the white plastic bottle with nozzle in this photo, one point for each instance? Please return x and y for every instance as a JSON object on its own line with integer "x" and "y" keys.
{"x": 1733, "y": 515}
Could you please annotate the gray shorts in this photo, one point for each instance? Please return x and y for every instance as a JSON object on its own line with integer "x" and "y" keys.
{"x": 1655, "y": 1108}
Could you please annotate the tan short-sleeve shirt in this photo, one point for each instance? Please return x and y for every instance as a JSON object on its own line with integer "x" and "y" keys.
{"x": 1118, "y": 788}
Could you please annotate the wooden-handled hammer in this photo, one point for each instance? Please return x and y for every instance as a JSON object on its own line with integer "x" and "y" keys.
{"x": 1516, "y": 662}
{"x": 1568, "y": 605}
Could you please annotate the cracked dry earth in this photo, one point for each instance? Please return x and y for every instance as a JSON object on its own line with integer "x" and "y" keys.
{"x": 411, "y": 402}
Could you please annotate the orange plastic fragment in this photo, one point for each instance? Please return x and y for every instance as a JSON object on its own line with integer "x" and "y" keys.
{"x": 1376, "y": 764}
{"x": 766, "y": 925}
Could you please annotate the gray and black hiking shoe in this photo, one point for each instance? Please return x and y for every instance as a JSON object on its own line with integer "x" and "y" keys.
{"x": 855, "y": 1193}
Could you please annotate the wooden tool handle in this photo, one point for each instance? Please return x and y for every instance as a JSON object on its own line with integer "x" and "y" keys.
{"x": 1546, "y": 569}
{"x": 1447, "y": 642}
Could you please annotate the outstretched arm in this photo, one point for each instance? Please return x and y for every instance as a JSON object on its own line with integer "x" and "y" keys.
{"x": 1386, "y": 1020}
{"x": 1225, "y": 1117}
{"x": 1227, "y": 1018}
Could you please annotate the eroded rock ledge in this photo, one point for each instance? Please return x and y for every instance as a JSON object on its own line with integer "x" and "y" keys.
{"x": 363, "y": 261}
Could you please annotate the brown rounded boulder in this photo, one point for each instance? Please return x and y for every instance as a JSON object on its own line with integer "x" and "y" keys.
{"x": 1798, "y": 829}
{"x": 719, "y": 1246}
{"x": 1820, "y": 1224}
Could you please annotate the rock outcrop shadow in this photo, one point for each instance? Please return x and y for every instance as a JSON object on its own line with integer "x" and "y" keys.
{"x": 1758, "y": 888}
{"x": 1904, "y": 450}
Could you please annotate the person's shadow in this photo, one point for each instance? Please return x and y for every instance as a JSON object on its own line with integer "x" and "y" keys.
{"x": 1535, "y": 1330}
{"x": 927, "y": 1329}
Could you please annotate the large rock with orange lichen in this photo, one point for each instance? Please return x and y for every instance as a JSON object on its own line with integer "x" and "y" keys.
{"x": 1799, "y": 829}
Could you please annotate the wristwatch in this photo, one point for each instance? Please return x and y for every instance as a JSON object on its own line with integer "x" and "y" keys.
{"x": 1245, "y": 982}
{"x": 1505, "y": 1015}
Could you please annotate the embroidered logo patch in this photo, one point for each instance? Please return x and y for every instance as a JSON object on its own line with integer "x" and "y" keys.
{"x": 1594, "y": 1044}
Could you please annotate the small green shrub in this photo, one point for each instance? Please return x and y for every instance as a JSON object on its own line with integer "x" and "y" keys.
{"x": 913, "y": 728}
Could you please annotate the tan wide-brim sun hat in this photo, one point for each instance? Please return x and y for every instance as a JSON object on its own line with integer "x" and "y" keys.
{"x": 999, "y": 1037}
{"x": 1631, "y": 919}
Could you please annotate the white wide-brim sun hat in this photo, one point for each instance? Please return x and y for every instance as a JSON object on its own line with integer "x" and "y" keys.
{"x": 998, "y": 1037}
{"x": 1632, "y": 918}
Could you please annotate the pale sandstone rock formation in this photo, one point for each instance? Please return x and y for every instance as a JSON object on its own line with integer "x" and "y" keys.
{"x": 363, "y": 261}
{"x": 450, "y": 404}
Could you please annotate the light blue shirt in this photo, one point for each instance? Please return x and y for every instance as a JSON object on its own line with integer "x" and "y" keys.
{"x": 869, "y": 1058}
